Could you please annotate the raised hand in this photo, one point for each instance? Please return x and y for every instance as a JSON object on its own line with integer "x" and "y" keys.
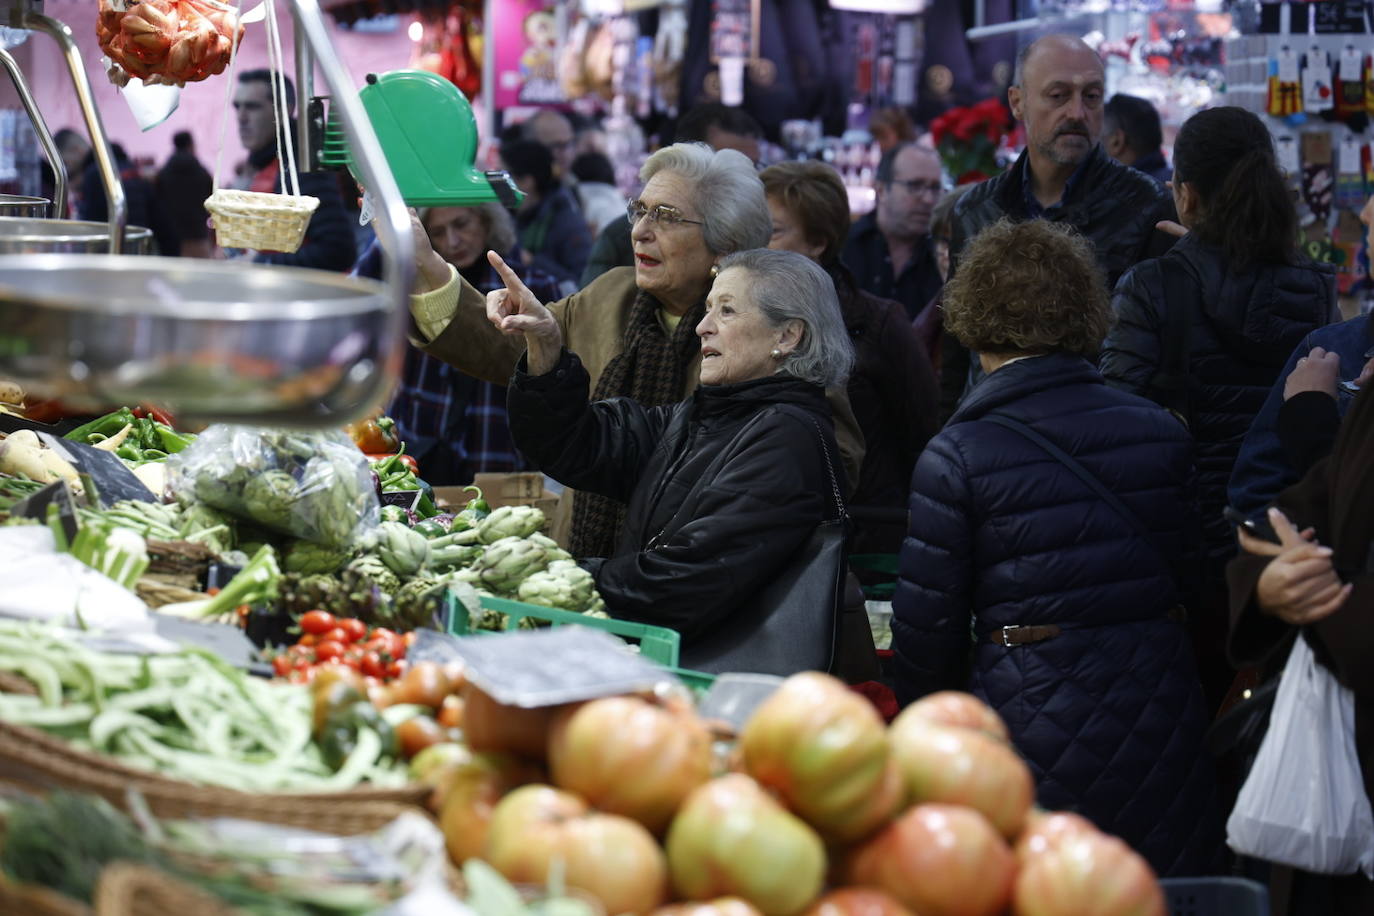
{"x": 431, "y": 270}
{"x": 516, "y": 310}
{"x": 1300, "y": 585}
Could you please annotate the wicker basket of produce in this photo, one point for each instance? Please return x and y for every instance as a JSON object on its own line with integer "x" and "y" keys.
{"x": 195, "y": 736}
{"x": 31, "y": 757}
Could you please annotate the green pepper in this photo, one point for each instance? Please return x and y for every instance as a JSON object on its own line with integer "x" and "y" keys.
{"x": 171, "y": 441}
{"x": 477, "y": 503}
{"x": 392, "y": 513}
{"x": 107, "y": 425}
{"x": 430, "y": 529}
{"x": 340, "y": 734}
{"x": 129, "y": 451}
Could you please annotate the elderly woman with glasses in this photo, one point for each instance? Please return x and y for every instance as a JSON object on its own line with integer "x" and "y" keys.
{"x": 722, "y": 488}
{"x": 634, "y": 329}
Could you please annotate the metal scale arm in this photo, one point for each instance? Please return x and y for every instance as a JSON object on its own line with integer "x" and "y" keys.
{"x": 40, "y": 127}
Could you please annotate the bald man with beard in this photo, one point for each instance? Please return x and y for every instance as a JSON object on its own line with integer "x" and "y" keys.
{"x": 1063, "y": 175}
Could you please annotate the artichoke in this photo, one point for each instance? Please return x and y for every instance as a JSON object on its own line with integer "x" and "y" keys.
{"x": 270, "y": 498}
{"x": 549, "y": 544}
{"x": 299, "y": 593}
{"x": 419, "y": 602}
{"x": 370, "y": 569}
{"x": 509, "y": 561}
{"x": 510, "y": 522}
{"x": 563, "y": 585}
{"x": 404, "y": 551}
{"x": 209, "y": 526}
{"x": 308, "y": 557}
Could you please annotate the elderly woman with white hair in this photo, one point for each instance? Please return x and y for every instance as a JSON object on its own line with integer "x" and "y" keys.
{"x": 722, "y": 488}
{"x": 634, "y": 329}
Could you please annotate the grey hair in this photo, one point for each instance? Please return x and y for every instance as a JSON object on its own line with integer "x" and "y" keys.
{"x": 726, "y": 190}
{"x": 498, "y": 227}
{"x": 787, "y": 286}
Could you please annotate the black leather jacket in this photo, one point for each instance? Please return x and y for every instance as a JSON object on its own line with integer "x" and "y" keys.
{"x": 721, "y": 488}
{"x": 1244, "y": 325}
{"x": 1112, "y": 205}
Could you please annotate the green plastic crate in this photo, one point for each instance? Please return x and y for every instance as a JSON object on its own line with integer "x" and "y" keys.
{"x": 658, "y": 644}
{"x": 699, "y": 681}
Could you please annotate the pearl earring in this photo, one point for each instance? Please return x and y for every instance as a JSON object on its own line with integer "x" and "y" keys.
{"x": 776, "y": 354}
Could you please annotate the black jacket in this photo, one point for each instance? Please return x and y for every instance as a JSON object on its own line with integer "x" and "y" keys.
{"x": 1244, "y": 325}
{"x": 866, "y": 254}
{"x": 329, "y": 242}
{"x": 721, "y": 488}
{"x": 1108, "y": 714}
{"x": 1112, "y": 205}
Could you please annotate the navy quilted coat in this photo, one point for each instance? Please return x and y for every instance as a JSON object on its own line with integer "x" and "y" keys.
{"x": 1109, "y": 714}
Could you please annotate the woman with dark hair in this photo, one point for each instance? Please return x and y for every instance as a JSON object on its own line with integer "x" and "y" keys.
{"x": 1206, "y": 329}
{"x": 1041, "y": 565}
{"x": 553, "y": 235}
{"x": 893, "y": 388}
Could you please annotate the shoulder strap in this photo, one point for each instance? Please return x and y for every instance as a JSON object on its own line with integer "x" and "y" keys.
{"x": 1078, "y": 470}
{"x": 825, "y": 450}
{"x": 1171, "y": 380}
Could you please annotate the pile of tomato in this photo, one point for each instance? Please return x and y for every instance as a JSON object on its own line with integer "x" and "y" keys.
{"x": 374, "y": 652}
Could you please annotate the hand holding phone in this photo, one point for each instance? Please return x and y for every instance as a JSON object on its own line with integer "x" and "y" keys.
{"x": 1257, "y": 528}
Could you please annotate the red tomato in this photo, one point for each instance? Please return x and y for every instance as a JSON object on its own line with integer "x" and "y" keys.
{"x": 316, "y": 622}
{"x": 336, "y": 634}
{"x": 308, "y": 640}
{"x": 281, "y": 665}
{"x": 396, "y": 669}
{"x": 328, "y": 650}
{"x": 373, "y": 666}
{"x": 302, "y": 663}
{"x": 355, "y": 628}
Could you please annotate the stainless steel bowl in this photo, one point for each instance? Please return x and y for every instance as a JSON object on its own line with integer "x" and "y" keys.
{"x": 226, "y": 341}
{"x": 67, "y": 236}
{"x": 17, "y": 205}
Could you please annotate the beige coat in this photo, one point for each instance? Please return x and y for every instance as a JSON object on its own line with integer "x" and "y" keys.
{"x": 593, "y": 322}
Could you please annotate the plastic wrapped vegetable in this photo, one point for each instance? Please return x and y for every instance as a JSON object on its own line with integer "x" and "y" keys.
{"x": 312, "y": 485}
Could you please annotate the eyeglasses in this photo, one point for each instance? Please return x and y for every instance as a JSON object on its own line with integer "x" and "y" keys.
{"x": 662, "y": 215}
{"x": 920, "y": 187}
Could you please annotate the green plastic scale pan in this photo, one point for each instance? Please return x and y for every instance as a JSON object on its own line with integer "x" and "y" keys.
{"x": 429, "y": 137}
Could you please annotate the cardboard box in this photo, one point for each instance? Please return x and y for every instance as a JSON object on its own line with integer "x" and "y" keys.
{"x": 525, "y": 488}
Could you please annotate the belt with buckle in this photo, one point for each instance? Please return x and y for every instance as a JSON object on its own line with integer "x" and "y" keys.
{"x": 1025, "y": 635}
{"x": 1020, "y": 636}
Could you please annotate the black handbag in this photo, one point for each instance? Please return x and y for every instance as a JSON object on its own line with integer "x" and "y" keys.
{"x": 791, "y": 624}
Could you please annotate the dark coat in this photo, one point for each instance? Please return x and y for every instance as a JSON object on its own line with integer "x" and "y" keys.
{"x": 183, "y": 184}
{"x": 1112, "y": 205}
{"x": 329, "y": 243}
{"x": 1108, "y": 714}
{"x": 866, "y": 254}
{"x": 721, "y": 488}
{"x": 893, "y": 392}
{"x": 1244, "y": 325}
{"x": 1337, "y": 499}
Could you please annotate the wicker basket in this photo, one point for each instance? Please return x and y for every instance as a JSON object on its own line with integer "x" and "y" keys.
{"x": 264, "y": 222}
{"x": 126, "y": 889}
{"x": 31, "y": 900}
{"x": 32, "y": 758}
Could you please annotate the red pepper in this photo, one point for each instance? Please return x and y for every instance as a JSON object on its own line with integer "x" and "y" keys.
{"x": 407, "y": 460}
{"x": 157, "y": 413}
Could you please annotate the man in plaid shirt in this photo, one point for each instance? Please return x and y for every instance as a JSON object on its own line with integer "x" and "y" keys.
{"x": 454, "y": 425}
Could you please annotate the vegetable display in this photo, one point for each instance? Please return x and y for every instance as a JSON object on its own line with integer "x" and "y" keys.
{"x": 188, "y": 715}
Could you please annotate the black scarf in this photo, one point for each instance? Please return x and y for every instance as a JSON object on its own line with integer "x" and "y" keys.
{"x": 652, "y": 369}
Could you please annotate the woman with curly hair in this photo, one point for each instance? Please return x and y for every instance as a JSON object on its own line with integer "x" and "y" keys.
{"x": 1041, "y": 565}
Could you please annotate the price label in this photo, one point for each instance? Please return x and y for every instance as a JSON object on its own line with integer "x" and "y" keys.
{"x": 535, "y": 668}
{"x": 1348, "y": 162}
{"x": 35, "y": 506}
{"x": 406, "y": 499}
{"x": 1288, "y": 65}
{"x": 1318, "y": 94}
{"x": 1289, "y": 160}
{"x": 1352, "y": 65}
{"x": 112, "y": 478}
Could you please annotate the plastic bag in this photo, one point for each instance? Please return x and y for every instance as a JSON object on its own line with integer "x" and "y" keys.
{"x": 1304, "y": 803}
{"x": 312, "y": 485}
